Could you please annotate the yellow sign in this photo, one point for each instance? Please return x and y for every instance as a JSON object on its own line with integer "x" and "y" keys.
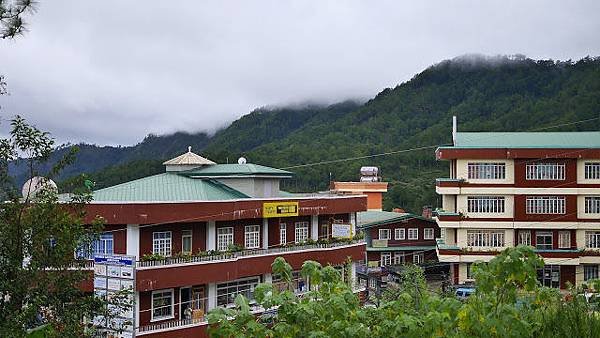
{"x": 280, "y": 209}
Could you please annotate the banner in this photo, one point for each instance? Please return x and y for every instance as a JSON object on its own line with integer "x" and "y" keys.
{"x": 341, "y": 230}
{"x": 280, "y": 209}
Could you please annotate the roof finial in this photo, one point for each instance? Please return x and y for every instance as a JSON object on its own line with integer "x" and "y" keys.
{"x": 189, "y": 149}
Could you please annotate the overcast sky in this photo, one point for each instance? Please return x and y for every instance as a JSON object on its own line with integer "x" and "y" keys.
{"x": 110, "y": 72}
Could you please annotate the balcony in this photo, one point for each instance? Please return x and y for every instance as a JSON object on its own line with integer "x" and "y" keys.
{"x": 173, "y": 272}
{"x": 448, "y": 182}
{"x": 443, "y": 215}
{"x": 172, "y": 325}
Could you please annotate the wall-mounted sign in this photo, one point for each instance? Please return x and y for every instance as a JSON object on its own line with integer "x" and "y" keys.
{"x": 341, "y": 230}
{"x": 379, "y": 243}
{"x": 113, "y": 273}
{"x": 280, "y": 209}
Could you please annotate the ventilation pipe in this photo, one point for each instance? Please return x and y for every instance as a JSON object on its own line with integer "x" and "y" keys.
{"x": 454, "y": 127}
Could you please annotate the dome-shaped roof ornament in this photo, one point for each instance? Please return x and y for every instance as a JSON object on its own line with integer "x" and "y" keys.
{"x": 187, "y": 161}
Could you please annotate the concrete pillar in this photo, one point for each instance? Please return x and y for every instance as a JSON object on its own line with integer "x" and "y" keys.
{"x": 352, "y": 218}
{"x": 211, "y": 295}
{"x": 314, "y": 227}
{"x": 265, "y": 233}
{"x": 136, "y": 309}
{"x": 211, "y": 235}
{"x": 267, "y": 278}
{"x": 133, "y": 240}
{"x": 352, "y": 282}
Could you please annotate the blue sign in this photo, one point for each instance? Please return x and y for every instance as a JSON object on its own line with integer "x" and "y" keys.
{"x": 115, "y": 260}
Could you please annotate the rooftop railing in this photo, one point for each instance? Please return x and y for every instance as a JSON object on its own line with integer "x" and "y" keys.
{"x": 243, "y": 253}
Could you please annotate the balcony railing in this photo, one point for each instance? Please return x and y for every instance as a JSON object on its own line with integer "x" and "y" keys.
{"x": 172, "y": 324}
{"x": 243, "y": 253}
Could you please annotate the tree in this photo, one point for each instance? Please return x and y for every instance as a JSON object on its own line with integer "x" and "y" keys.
{"x": 508, "y": 303}
{"x": 11, "y": 17}
{"x": 40, "y": 275}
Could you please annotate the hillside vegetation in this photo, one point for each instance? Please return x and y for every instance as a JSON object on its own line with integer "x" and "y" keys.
{"x": 486, "y": 94}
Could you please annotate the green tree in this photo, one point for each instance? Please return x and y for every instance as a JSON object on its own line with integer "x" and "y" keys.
{"x": 11, "y": 17}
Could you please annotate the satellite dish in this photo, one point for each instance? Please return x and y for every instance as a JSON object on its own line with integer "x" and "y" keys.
{"x": 242, "y": 160}
{"x": 35, "y": 184}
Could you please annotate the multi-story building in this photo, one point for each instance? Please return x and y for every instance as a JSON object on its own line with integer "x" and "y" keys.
{"x": 396, "y": 238}
{"x": 203, "y": 233}
{"x": 540, "y": 189}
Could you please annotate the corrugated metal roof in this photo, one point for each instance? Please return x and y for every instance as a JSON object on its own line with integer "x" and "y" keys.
{"x": 585, "y": 139}
{"x": 367, "y": 219}
{"x": 189, "y": 158}
{"x": 167, "y": 187}
{"x": 248, "y": 169}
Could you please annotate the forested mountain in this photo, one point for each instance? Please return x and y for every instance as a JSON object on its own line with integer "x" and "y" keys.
{"x": 487, "y": 94}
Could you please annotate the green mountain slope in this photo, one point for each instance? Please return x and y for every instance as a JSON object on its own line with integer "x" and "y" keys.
{"x": 487, "y": 94}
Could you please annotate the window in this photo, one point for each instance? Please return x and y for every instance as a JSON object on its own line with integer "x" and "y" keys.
{"x": 226, "y": 292}
{"x": 592, "y": 205}
{"x": 564, "y": 239}
{"x": 592, "y": 171}
{"x": 413, "y": 233}
{"x": 282, "y": 233}
{"x": 486, "y": 171}
{"x": 549, "y": 276}
{"x": 525, "y": 238}
{"x": 418, "y": 258}
{"x": 485, "y": 238}
{"x": 545, "y": 171}
{"x": 428, "y": 233}
{"x": 161, "y": 243}
{"x": 545, "y": 205}
{"x": 384, "y": 233}
{"x": 386, "y": 258}
{"x": 252, "y": 236}
{"x": 485, "y": 204}
{"x": 301, "y": 232}
{"x": 469, "y": 270}
{"x": 399, "y": 234}
{"x": 104, "y": 245}
{"x": 590, "y": 272}
{"x": 162, "y": 304}
{"x": 186, "y": 241}
{"x": 224, "y": 238}
{"x": 543, "y": 240}
{"x": 592, "y": 239}
{"x": 398, "y": 258}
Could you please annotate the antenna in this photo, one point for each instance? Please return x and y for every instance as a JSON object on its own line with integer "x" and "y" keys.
{"x": 189, "y": 149}
{"x": 454, "y": 129}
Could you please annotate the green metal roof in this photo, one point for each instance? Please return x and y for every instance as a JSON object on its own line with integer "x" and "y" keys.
{"x": 368, "y": 219}
{"x": 583, "y": 139}
{"x": 402, "y": 248}
{"x": 249, "y": 169}
{"x": 167, "y": 187}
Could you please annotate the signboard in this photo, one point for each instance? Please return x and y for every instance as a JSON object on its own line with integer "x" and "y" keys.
{"x": 113, "y": 273}
{"x": 341, "y": 230}
{"x": 280, "y": 209}
{"x": 379, "y": 243}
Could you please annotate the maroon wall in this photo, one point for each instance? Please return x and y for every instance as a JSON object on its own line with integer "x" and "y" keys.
{"x": 411, "y": 223}
{"x": 198, "y": 236}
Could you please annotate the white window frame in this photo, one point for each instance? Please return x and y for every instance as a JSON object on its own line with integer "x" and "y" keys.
{"x": 282, "y": 233}
{"x": 486, "y": 171}
{"x": 398, "y": 258}
{"x": 486, "y": 204}
{"x": 399, "y": 234}
{"x": 186, "y": 235}
{"x": 418, "y": 258}
{"x": 225, "y": 238}
{"x": 163, "y": 317}
{"x": 485, "y": 238}
{"x": 564, "y": 239}
{"x": 162, "y": 245}
{"x": 590, "y": 272}
{"x": 241, "y": 285}
{"x": 592, "y": 205}
{"x": 252, "y": 236}
{"x": 428, "y": 233}
{"x": 385, "y": 259}
{"x": 545, "y": 172}
{"x": 545, "y": 205}
{"x": 592, "y": 170}
{"x": 300, "y": 232}
{"x": 413, "y": 234}
{"x": 386, "y": 232}
{"x": 592, "y": 239}
{"x": 525, "y": 238}
{"x": 545, "y": 234}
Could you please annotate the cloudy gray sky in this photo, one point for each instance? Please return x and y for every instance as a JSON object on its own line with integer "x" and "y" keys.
{"x": 110, "y": 72}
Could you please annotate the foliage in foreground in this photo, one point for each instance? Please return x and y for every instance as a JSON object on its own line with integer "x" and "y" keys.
{"x": 508, "y": 303}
